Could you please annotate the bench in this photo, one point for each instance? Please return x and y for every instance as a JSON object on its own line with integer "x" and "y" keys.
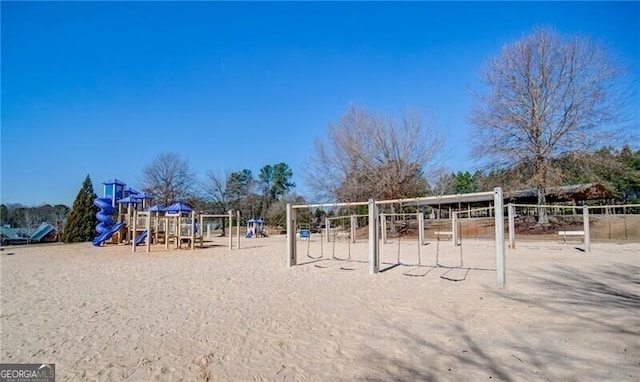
{"x": 564, "y": 235}
{"x": 448, "y": 234}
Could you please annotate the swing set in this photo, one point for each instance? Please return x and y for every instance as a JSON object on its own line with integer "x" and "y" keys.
{"x": 341, "y": 239}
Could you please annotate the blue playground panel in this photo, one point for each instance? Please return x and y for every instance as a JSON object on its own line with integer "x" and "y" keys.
{"x": 114, "y": 189}
{"x": 304, "y": 234}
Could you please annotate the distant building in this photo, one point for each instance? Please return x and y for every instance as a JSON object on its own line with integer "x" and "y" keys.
{"x": 573, "y": 193}
{"x": 44, "y": 233}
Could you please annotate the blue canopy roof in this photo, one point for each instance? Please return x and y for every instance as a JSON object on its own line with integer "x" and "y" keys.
{"x": 156, "y": 208}
{"x": 259, "y": 221}
{"x": 114, "y": 181}
{"x": 178, "y": 207}
{"x": 131, "y": 191}
{"x": 142, "y": 195}
{"x": 129, "y": 199}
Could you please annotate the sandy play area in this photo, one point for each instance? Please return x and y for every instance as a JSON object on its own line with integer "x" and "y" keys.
{"x": 214, "y": 314}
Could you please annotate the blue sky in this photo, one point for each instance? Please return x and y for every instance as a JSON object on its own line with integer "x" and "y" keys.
{"x": 102, "y": 88}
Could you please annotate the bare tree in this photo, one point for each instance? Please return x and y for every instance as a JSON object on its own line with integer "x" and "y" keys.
{"x": 367, "y": 156}
{"x": 215, "y": 191}
{"x": 60, "y": 213}
{"x": 442, "y": 185}
{"x": 168, "y": 178}
{"x": 31, "y": 219}
{"x": 277, "y": 213}
{"x": 546, "y": 95}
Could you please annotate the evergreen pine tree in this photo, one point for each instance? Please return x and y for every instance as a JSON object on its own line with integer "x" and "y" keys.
{"x": 82, "y": 221}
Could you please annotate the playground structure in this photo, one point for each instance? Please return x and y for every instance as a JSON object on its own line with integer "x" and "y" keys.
{"x": 107, "y": 228}
{"x": 178, "y": 227}
{"x": 256, "y": 228}
{"x": 135, "y": 223}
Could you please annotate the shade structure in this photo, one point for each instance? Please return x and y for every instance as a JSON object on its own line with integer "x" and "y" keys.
{"x": 129, "y": 199}
{"x": 157, "y": 208}
{"x": 111, "y": 182}
{"x": 178, "y": 208}
{"x": 131, "y": 191}
{"x": 143, "y": 195}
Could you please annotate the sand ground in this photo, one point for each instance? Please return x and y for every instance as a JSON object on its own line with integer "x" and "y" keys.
{"x": 241, "y": 315}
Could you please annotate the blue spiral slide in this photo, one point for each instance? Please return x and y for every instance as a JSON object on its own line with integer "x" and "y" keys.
{"x": 106, "y": 228}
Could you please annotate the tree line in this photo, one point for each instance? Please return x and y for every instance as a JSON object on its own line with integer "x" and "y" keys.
{"x": 616, "y": 169}
{"x": 549, "y": 111}
{"x": 266, "y": 195}
{"x": 169, "y": 178}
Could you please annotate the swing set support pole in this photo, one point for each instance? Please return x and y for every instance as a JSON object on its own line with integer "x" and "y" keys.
{"x": 499, "y": 225}
{"x": 374, "y": 251}
{"x": 292, "y": 258}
